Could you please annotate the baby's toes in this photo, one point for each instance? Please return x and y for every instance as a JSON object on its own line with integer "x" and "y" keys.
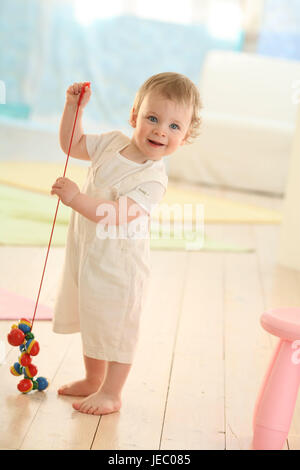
{"x": 76, "y": 406}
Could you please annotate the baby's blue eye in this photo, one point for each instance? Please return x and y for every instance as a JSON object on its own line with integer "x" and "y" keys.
{"x": 176, "y": 126}
{"x": 152, "y": 118}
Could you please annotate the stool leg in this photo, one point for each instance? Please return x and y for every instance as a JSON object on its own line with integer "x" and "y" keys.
{"x": 265, "y": 380}
{"x": 275, "y": 409}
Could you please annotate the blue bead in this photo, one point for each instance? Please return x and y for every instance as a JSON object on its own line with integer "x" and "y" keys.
{"x": 24, "y": 328}
{"x": 42, "y": 383}
{"x": 18, "y": 368}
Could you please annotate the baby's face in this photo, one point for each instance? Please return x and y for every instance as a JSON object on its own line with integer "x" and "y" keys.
{"x": 161, "y": 126}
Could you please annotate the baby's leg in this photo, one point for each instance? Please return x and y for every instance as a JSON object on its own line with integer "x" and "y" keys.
{"x": 108, "y": 397}
{"x": 95, "y": 374}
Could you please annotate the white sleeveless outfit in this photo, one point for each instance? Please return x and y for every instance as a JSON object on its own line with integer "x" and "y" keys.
{"x": 104, "y": 282}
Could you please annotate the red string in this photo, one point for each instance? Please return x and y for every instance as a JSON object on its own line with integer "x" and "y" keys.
{"x": 86, "y": 84}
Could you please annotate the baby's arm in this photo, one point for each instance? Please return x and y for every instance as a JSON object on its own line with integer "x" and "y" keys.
{"x": 118, "y": 212}
{"x": 106, "y": 211}
{"x": 70, "y": 195}
{"x": 78, "y": 149}
{"x": 87, "y": 206}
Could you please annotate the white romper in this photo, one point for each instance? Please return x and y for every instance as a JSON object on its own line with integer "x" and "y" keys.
{"x": 104, "y": 281}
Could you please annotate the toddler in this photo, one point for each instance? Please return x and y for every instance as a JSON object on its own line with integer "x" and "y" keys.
{"x": 106, "y": 273}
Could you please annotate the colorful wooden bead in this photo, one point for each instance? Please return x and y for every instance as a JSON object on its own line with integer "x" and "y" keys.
{"x": 32, "y": 347}
{"x": 24, "y": 325}
{"x": 29, "y": 336}
{"x": 25, "y": 386}
{"x": 15, "y": 337}
{"x": 42, "y": 383}
{"x": 25, "y": 359}
{"x": 31, "y": 371}
{"x": 16, "y": 369}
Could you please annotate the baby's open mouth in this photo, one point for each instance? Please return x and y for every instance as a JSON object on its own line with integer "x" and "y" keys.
{"x": 156, "y": 144}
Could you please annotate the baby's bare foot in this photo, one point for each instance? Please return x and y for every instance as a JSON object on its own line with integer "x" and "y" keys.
{"x": 98, "y": 403}
{"x": 81, "y": 388}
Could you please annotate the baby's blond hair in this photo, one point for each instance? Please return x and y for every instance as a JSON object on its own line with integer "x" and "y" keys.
{"x": 177, "y": 87}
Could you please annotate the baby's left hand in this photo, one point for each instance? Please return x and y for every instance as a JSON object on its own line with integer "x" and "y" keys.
{"x": 65, "y": 189}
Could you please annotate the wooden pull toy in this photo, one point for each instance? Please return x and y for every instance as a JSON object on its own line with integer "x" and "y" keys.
{"x": 21, "y": 335}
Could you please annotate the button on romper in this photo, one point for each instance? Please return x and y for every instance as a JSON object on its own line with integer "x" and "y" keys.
{"x": 104, "y": 282}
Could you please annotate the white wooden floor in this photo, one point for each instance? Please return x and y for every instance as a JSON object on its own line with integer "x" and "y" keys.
{"x": 201, "y": 357}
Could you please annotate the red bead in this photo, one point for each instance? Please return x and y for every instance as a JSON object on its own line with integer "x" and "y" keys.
{"x": 15, "y": 337}
{"x": 25, "y": 359}
{"x": 25, "y": 386}
{"x": 31, "y": 370}
{"x": 35, "y": 349}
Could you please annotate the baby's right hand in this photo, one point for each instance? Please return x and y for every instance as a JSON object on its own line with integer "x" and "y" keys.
{"x": 73, "y": 93}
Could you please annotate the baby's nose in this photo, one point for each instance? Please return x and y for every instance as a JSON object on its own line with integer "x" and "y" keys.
{"x": 160, "y": 131}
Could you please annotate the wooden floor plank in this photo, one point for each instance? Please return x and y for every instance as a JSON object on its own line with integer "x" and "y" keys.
{"x": 245, "y": 341}
{"x": 195, "y": 408}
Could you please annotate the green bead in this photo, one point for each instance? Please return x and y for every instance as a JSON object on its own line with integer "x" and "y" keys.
{"x": 29, "y": 336}
{"x": 35, "y": 385}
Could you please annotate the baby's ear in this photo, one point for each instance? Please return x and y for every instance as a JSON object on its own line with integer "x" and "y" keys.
{"x": 133, "y": 117}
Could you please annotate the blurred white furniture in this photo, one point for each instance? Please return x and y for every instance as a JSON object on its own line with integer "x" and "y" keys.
{"x": 249, "y": 119}
{"x": 289, "y": 253}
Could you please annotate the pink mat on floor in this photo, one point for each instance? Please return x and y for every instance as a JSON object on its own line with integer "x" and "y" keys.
{"x": 14, "y": 307}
